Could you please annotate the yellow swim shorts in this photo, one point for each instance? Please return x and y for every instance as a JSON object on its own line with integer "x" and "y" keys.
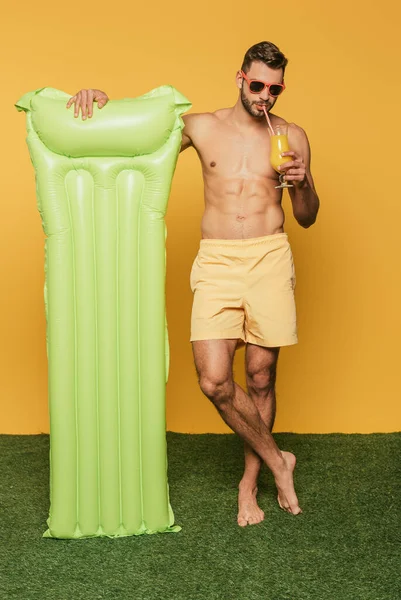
{"x": 244, "y": 289}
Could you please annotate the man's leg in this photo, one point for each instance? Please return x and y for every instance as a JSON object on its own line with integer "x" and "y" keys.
{"x": 213, "y": 362}
{"x": 260, "y": 367}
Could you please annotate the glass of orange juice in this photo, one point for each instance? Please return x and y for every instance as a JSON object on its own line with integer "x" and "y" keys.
{"x": 278, "y": 144}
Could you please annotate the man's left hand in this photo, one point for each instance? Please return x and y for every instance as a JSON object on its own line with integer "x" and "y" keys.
{"x": 295, "y": 170}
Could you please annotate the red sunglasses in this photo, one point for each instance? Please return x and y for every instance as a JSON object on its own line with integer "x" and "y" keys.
{"x": 256, "y": 86}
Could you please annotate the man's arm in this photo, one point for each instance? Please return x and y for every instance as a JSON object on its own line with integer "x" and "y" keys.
{"x": 305, "y": 201}
{"x": 186, "y": 141}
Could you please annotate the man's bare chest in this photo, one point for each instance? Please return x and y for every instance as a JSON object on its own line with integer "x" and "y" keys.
{"x": 229, "y": 154}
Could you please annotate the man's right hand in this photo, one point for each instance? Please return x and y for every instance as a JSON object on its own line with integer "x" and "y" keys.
{"x": 84, "y": 99}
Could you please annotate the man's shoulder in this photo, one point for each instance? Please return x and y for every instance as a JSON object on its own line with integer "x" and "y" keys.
{"x": 200, "y": 119}
{"x": 197, "y": 125}
{"x": 296, "y": 130}
{"x": 293, "y": 128}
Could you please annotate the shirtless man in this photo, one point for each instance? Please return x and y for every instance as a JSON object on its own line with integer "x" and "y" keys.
{"x": 243, "y": 275}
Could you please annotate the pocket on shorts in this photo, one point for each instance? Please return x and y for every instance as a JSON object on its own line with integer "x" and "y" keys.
{"x": 293, "y": 275}
{"x": 192, "y": 274}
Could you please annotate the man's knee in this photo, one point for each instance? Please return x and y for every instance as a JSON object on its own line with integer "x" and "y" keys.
{"x": 261, "y": 368}
{"x": 218, "y": 389}
{"x": 262, "y": 380}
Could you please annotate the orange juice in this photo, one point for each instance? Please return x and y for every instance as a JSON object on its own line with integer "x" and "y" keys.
{"x": 278, "y": 144}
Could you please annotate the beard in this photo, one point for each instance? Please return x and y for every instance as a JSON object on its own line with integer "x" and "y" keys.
{"x": 251, "y": 108}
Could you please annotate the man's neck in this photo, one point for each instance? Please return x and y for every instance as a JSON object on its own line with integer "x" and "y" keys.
{"x": 243, "y": 120}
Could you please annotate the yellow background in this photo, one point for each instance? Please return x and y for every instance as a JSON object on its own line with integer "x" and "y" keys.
{"x": 343, "y": 88}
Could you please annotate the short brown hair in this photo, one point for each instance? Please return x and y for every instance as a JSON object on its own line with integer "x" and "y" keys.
{"x": 265, "y": 52}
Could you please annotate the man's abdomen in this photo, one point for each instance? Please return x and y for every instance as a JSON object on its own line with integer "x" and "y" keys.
{"x": 241, "y": 223}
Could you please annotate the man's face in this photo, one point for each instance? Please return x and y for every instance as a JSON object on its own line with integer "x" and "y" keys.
{"x": 250, "y": 101}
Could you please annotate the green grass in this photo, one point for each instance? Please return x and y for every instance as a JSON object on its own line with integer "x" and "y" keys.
{"x": 344, "y": 546}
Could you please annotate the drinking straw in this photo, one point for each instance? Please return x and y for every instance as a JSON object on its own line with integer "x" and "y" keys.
{"x": 268, "y": 120}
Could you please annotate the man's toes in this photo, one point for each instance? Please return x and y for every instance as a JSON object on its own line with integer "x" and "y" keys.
{"x": 283, "y": 506}
{"x": 242, "y": 522}
{"x": 254, "y": 519}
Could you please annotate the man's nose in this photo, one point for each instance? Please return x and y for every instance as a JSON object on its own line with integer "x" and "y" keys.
{"x": 264, "y": 95}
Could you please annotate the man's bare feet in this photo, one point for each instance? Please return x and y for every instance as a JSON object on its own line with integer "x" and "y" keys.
{"x": 286, "y": 497}
{"x": 249, "y": 512}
